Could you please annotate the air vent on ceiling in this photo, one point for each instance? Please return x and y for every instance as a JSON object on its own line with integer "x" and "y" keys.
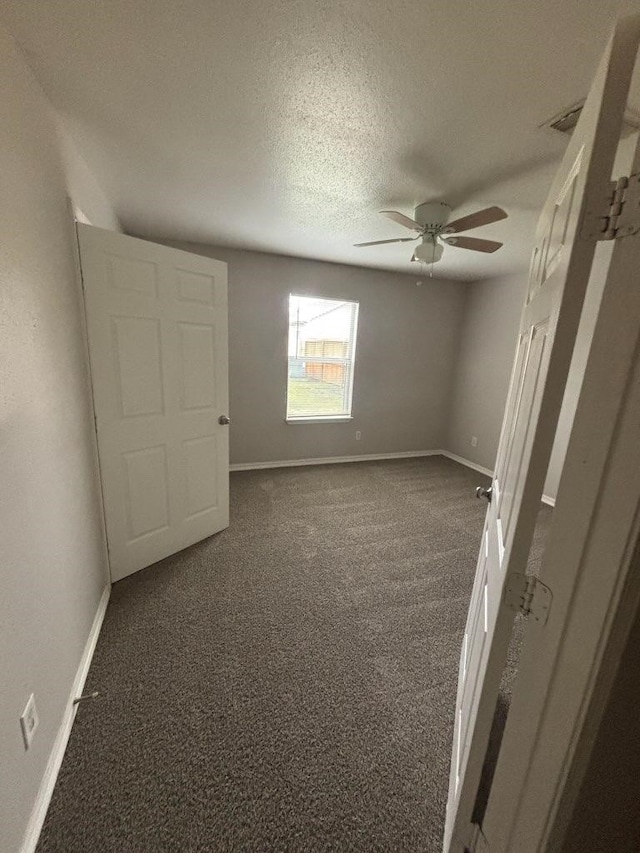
{"x": 566, "y": 121}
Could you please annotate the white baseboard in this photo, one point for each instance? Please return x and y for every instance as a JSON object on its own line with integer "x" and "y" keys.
{"x": 330, "y": 460}
{"x": 369, "y": 457}
{"x": 546, "y": 499}
{"x": 52, "y": 769}
{"x": 467, "y": 462}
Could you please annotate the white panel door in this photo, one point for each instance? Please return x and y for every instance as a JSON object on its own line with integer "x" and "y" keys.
{"x": 157, "y": 330}
{"x": 558, "y": 277}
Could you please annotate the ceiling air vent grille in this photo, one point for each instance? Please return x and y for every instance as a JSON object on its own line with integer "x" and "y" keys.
{"x": 566, "y": 121}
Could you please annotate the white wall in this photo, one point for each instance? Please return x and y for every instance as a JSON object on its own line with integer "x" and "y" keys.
{"x": 52, "y": 556}
{"x": 407, "y": 341}
{"x": 85, "y": 193}
{"x": 483, "y": 369}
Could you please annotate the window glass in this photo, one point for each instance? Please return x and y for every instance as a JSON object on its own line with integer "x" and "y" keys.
{"x": 322, "y": 338}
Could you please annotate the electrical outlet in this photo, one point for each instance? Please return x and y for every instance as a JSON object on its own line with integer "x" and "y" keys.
{"x": 358, "y": 435}
{"x": 474, "y": 441}
{"x": 29, "y": 721}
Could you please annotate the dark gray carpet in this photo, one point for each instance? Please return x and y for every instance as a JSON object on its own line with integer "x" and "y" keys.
{"x": 289, "y": 684}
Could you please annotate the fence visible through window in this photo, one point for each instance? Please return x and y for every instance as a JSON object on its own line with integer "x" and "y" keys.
{"x": 322, "y": 339}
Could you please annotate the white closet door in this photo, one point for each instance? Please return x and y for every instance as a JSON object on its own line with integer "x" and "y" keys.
{"x": 157, "y": 328}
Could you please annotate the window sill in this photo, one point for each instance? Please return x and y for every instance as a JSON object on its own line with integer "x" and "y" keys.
{"x": 329, "y": 419}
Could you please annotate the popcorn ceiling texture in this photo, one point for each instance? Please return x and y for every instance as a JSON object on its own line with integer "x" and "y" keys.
{"x": 286, "y": 126}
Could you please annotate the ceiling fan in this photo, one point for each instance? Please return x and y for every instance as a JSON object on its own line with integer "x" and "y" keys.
{"x": 431, "y": 221}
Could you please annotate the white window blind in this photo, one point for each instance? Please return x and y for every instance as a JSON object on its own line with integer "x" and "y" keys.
{"x": 322, "y": 343}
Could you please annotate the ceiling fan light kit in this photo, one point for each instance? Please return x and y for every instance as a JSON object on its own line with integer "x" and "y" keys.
{"x": 429, "y": 251}
{"x": 431, "y": 222}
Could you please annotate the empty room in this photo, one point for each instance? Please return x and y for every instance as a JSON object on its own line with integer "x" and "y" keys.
{"x": 319, "y": 451}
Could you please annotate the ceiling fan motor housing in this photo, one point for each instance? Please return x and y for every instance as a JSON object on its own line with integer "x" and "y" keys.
{"x": 432, "y": 215}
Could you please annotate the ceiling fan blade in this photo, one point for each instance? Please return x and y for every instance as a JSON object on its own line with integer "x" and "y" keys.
{"x": 475, "y": 220}
{"x": 380, "y": 242}
{"x": 473, "y": 243}
{"x": 401, "y": 219}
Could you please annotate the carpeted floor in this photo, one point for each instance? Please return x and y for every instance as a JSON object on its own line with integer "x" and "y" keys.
{"x": 289, "y": 684}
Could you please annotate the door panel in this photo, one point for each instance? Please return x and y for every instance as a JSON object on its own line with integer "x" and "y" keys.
{"x": 559, "y": 271}
{"x": 522, "y": 437}
{"x": 157, "y": 329}
{"x": 147, "y": 491}
{"x": 197, "y": 380}
{"x": 138, "y": 358}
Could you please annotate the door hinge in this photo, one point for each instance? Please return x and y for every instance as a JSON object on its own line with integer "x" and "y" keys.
{"x": 619, "y": 215}
{"x": 527, "y": 595}
{"x": 477, "y": 843}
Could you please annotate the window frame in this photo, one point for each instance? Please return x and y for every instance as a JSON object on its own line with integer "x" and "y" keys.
{"x": 349, "y": 361}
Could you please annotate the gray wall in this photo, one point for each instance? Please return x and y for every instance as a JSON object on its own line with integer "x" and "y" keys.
{"x": 407, "y": 342}
{"x": 483, "y": 369}
{"x": 52, "y": 556}
{"x": 487, "y": 349}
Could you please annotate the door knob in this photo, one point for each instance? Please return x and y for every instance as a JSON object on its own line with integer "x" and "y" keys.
{"x": 481, "y": 492}
{"x": 223, "y": 420}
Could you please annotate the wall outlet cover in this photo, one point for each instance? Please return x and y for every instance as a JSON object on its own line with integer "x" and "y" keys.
{"x": 29, "y": 721}
{"x": 474, "y": 441}
{"x": 358, "y": 435}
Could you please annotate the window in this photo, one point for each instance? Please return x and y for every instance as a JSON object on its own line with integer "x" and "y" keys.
{"x": 322, "y": 342}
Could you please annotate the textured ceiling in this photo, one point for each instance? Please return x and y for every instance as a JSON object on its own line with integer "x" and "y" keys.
{"x": 285, "y": 126}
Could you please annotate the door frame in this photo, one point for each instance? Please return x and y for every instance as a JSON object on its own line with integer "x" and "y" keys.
{"x": 75, "y": 242}
{"x": 567, "y": 666}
